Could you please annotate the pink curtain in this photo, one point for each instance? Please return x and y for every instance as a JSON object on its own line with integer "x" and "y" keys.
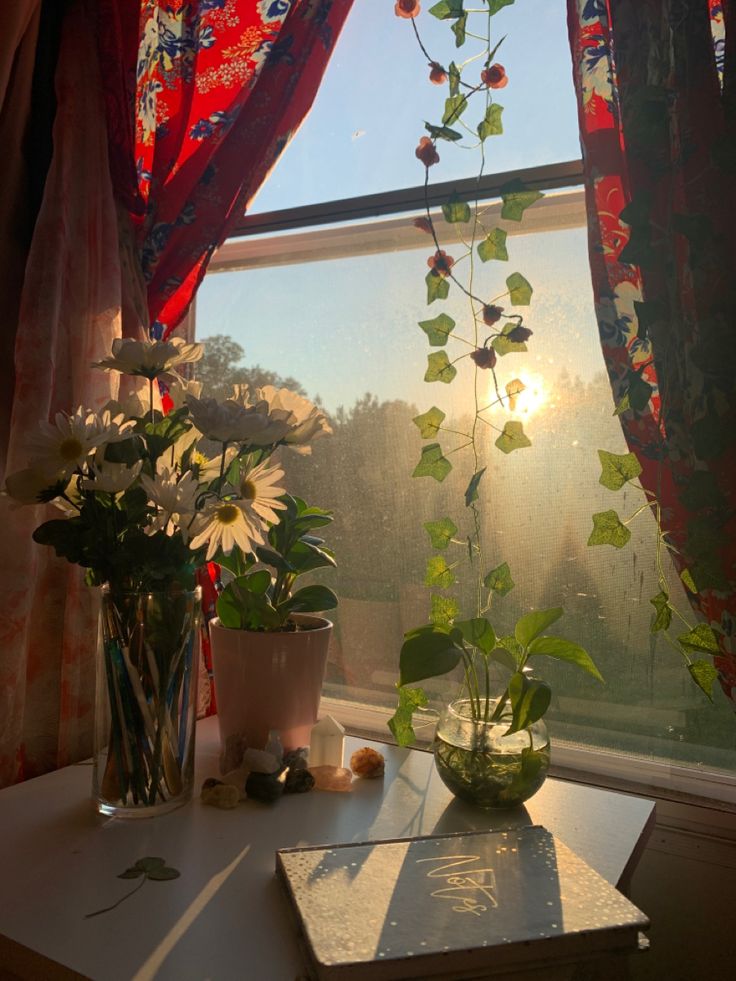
{"x": 656, "y": 87}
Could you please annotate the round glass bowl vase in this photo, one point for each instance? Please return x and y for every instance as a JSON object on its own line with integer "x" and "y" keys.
{"x": 482, "y": 765}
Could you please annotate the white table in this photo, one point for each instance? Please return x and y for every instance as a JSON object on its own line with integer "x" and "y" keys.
{"x": 225, "y": 917}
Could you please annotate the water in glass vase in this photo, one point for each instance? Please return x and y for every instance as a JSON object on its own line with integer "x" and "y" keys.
{"x": 481, "y": 765}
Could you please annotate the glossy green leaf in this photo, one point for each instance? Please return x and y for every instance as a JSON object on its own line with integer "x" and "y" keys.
{"x": 471, "y": 491}
{"x": 455, "y": 106}
{"x": 443, "y": 133}
{"x": 703, "y": 674}
{"x": 491, "y": 124}
{"x": 477, "y": 632}
{"x": 427, "y": 654}
{"x": 455, "y": 210}
{"x": 502, "y": 345}
{"x": 437, "y": 287}
{"x": 608, "y": 529}
{"x": 512, "y": 645}
{"x": 499, "y": 579}
{"x": 441, "y": 532}
{"x": 439, "y": 573}
{"x": 438, "y": 329}
{"x": 701, "y": 640}
{"x": 447, "y": 9}
{"x": 410, "y": 699}
{"x": 443, "y": 610}
{"x": 432, "y": 463}
{"x": 564, "y": 650}
{"x": 516, "y": 199}
{"x": 429, "y": 422}
{"x": 532, "y": 624}
{"x": 257, "y": 582}
{"x": 493, "y": 246}
{"x": 520, "y": 290}
{"x": 439, "y": 368}
{"x": 617, "y": 469}
{"x": 310, "y": 599}
{"x": 513, "y": 437}
{"x": 458, "y": 29}
{"x": 529, "y": 701}
{"x": 504, "y": 657}
{"x": 662, "y": 617}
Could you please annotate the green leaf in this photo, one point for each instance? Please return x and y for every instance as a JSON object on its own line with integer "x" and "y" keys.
{"x": 429, "y": 422}
{"x": 478, "y": 633}
{"x": 502, "y": 345}
{"x": 438, "y": 329}
{"x": 442, "y": 133}
{"x": 617, "y": 469}
{"x": 444, "y": 610}
{"x": 608, "y": 529}
{"x": 516, "y": 199}
{"x": 529, "y": 701}
{"x": 564, "y": 650}
{"x": 499, "y": 579}
{"x": 471, "y": 491}
{"x": 639, "y": 392}
{"x": 132, "y": 873}
{"x": 437, "y": 287}
{"x": 164, "y": 874}
{"x": 456, "y": 210}
{"x": 454, "y": 76}
{"x": 688, "y": 581}
{"x": 495, "y": 5}
{"x": 623, "y": 405}
{"x": 439, "y": 368}
{"x": 519, "y": 289}
{"x": 149, "y": 865}
{"x": 432, "y": 463}
{"x": 410, "y": 699}
{"x": 441, "y": 532}
{"x": 493, "y": 246}
{"x": 503, "y": 656}
{"x": 662, "y": 617}
{"x": 455, "y": 106}
{"x": 427, "y": 654}
{"x": 648, "y": 313}
{"x": 439, "y": 573}
{"x": 532, "y": 624}
{"x": 491, "y": 124}
{"x": 256, "y": 582}
{"x": 310, "y": 599}
{"x": 701, "y": 640}
{"x": 703, "y": 674}
{"x": 512, "y": 645}
{"x": 458, "y": 29}
{"x": 447, "y": 9}
{"x": 513, "y": 437}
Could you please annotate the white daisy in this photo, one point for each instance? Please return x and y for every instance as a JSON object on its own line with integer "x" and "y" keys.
{"x": 62, "y": 447}
{"x": 306, "y": 421}
{"x": 225, "y": 524}
{"x": 259, "y": 486}
{"x": 174, "y": 497}
{"x": 29, "y": 486}
{"x": 232, "y": 422}
{"x": 111, "y": 478}
{"x": 149, "y": 359}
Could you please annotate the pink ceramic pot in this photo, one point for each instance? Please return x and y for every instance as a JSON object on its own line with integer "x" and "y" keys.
{"x": 267, "y": 681}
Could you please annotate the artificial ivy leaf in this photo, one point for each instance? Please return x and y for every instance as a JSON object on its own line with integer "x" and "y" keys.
{"x": 456, "y": 210}
{"x": 514, "y": 388}
{"x": 700, "y": 640}
{"x": 478, "y": 633}
{"x": 429, "y": 422}
{"x": 439, "y": 573}
{"x": 499, "y": 579}
{"x": 623, "y": 405}
{"x": 454, "y": 76}
{"x": 520, "y": 290}
{"x": 532, "y": 624}
{"x": 444, "y": 610}
{"x": 427, "y": 653}
{"x": 648, "y": 313}
{"x": 503, "y": 345}
{"x": 447, "y": 9}
{"x": 513, "y": 437}
{"x": 455, "y": 106}
{"x": 442, "y": 132}
{"x": 491, "y": 124}
{"x": 493, "y": 246}
{"x": 438, "y": 329}
{"x": 617, "y": 469}
{"x": 703, "y": 674}
{"x": 516, "y": 199}
{"x": 432, "y": 463}
{"x": 639, "y": 392}
{"x": 440, "y": 532}
{"x": 437, "y": 287}
{"x": 495, "y": 5}
{"x": 400, "y": 724}
{"x": 564, "y": 650}
{"x": 471, "y": 492}
{"x": 608, "y": 529}
{"x": 662, "y": 617}
{"x": 458, "y": 29}
{"x": 439, "y": 368}
{"x": 688, "y": 581}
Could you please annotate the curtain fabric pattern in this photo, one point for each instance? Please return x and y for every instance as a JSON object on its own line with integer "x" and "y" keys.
{"x": 656, "y": 81}
{"x": 202, "y": 96}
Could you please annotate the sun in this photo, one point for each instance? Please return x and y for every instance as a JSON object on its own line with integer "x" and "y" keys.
{"x": 528, "y": 395}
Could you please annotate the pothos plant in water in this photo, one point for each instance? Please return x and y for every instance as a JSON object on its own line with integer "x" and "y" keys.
{"x": 490, "y": 748}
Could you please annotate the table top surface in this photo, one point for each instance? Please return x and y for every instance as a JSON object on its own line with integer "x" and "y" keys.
{"x": 226, "y": 916}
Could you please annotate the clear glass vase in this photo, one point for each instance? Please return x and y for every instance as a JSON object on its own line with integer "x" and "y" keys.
{"x": 146, "y": 700}
{"x": 482, "y": 765}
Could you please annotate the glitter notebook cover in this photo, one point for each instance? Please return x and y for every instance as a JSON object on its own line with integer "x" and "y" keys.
{"x": 453, "y": 906}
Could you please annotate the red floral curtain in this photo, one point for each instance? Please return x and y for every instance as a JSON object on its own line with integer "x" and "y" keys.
{"x": 656, "y": 87}
{"x": 202, "y": 97}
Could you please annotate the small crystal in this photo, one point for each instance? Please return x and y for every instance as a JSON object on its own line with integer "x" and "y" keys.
{"x": 298, "y": 782}
{"x": 259, "y": 761}
{"x": 326, "y": 742}
{"x": 265, "y": 787}
{"x": 296, "y": 759}
{"x": 367, "y": 762}
{"x": 337, "y": 778}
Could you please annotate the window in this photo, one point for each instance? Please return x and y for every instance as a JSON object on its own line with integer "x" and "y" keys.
{"x": 336, "y": 308}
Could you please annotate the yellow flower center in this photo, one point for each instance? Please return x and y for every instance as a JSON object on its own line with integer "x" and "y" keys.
{"x": 70, "y": 449}
{"x": 227, "y": 514}
{"x": 248, "y": 490}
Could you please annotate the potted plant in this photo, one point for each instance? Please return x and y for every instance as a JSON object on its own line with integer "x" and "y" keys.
{"x": 491, "y": 745}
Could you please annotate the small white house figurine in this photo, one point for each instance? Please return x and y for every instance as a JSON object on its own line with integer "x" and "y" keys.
{"x": 326, "y": 743}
